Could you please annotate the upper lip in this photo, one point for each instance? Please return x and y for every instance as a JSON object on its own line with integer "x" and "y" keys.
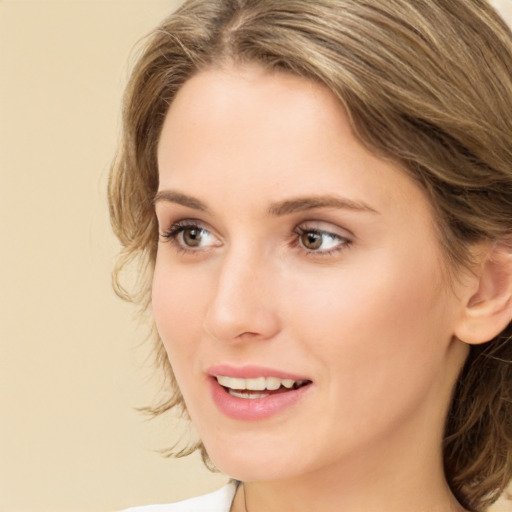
{"x": 252, "y": 372}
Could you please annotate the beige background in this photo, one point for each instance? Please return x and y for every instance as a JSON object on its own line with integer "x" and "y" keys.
{"x": 72, "y": 368}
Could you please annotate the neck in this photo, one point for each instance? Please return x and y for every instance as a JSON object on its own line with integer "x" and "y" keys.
{"x": 332, "y": 495}
{"x": 375, "y": 491}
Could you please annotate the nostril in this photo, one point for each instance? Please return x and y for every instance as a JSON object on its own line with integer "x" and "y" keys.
{"x": 242, "y": 323}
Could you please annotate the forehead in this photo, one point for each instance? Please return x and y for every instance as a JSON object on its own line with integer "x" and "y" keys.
{"x": 248, "y": 101}
{"x": 244, "y": 131}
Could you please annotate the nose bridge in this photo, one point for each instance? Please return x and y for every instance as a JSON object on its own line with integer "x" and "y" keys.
{"x": 242, "y": 301}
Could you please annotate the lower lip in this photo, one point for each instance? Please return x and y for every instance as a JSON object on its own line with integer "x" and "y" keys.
{"x": 247, "y": 409}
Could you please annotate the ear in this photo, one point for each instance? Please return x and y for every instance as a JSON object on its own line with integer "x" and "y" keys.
{"x": 487, "y": 309}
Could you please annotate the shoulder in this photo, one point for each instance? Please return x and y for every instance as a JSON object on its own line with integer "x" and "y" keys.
{"x": 218, "y": 501}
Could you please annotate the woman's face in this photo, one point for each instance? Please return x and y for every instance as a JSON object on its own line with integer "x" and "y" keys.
{"x": 290, "y": 257}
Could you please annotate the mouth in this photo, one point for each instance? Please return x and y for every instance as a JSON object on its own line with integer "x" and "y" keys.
{"x": 259, "y": 387}
{"x": 252, "y": 393}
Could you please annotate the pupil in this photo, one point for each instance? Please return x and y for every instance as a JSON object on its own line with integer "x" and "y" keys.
{"x": 312, "y": 240}
{"x": 192, "y": 236}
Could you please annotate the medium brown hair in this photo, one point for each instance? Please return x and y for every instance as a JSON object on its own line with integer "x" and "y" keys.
{"x": 425, "y": 83}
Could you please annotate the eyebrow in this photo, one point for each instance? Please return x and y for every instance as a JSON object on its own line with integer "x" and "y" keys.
{"x": 301, "y": 204}
{"x": 289, "y": 206}
{"x": 179, "y": 198}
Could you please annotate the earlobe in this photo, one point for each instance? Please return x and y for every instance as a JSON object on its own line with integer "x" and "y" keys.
{"x": 488, "y": 310}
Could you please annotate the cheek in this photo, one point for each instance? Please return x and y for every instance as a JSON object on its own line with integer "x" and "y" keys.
{"x": 380, "y": 338}
{"x": 379, "y": 319}
{"x": 178, "y": 310}
{"x": 179, "y": 307}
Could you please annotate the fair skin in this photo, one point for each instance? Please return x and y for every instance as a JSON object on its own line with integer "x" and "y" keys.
{"x": 285, "y": 244}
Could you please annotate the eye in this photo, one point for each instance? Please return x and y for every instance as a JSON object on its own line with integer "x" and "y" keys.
{"x": 320, "y": 241}
{"x": 193, "y": 236}
{"x": 190, "y": 236}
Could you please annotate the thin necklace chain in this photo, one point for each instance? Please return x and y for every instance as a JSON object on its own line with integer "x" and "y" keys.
{"x": 245, "y": 498}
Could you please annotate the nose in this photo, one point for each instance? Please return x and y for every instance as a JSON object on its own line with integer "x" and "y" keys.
{"x": 243, "y": 305}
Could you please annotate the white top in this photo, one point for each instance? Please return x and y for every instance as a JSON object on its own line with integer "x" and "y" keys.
{"x": 218, "y": 501}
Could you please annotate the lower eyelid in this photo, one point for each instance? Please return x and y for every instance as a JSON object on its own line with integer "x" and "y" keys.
{"x": 339, "y": 248}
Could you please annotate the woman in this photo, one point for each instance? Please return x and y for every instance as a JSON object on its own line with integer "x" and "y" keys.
{"x": 320, "y": 195}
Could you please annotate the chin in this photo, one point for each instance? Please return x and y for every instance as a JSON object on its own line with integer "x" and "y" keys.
{"x": 256, "y": 464}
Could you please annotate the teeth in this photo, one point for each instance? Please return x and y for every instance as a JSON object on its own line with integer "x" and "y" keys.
{"x": 258, "y": 384}
{"x": 251, "y": 396}
{"x": 233, "y": 383}
{"x": 272, "y": 383}
{"x": 288, "y": 383}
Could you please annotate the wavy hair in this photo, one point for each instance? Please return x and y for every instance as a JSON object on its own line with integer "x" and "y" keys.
{"x": 427, "y": 84}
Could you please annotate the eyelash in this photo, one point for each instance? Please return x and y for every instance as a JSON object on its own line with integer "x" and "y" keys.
{"x": 172, "y": 234}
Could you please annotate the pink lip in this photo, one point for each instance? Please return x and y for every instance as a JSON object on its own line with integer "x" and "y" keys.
{"x": 251, "y": 372}
{"x": 258, "y": 408}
